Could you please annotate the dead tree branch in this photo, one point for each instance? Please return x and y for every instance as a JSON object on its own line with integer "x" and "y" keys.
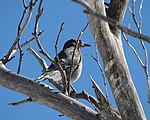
{"x": 133, "y": 49}
{"x": 102, "y": 72}
{"x": 138, "y": 26}
{"x": 78, "y": 38}
{"x": 45, "y": 95}
{"x": 21, "y": 102}
{"x": 21, "y": 29}
{"x": 63, "y": 74}
{"x": 40, "y": 11}
{"x": 20, "y": 58}
{"x": 39, "y": 59}
{"x": 114, "y": 23}
{"x": 41, "y": 50}
{"x": 28, "y": 41}
{"x": 44, "y": 69}
{"x": 89, "y": 98}
{"x": 113, "y": 58}
{"x": 103, "y": 102}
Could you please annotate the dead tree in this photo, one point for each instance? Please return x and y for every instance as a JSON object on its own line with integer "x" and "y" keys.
{"x": 106, "y": 26}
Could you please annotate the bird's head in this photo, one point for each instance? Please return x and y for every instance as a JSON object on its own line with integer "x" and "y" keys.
{"x": 73, "y": 43}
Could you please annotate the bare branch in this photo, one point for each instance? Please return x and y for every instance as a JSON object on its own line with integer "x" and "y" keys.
{"x": 39, "y": 59}
{"x": 81, "y": 33}
{"x": 47, "y": 96}
{"x": 86, "y": 96}
{"x": 21, "y": 102}
{"x": 21, "y": 29}
{"x": 133, "y": 49}
{"x": 115, "y": 66}
{"x": 40, "y": 11}
{"x": 103, "y": 102}
{"x": 20, "y": 59}
{"x": 58, "y": 37}
{"x": 141, "y": 63}
{"x": 102, "y": 72}
{"x": 138, "y": 25}
{"x": 79, "y": 37}
{"x": 21, "y": 46}
{"x": 114, "y": 23}
{"x": 28, "y": 41}
{"x": 140, "y": 14}
{"x": 63, "y": 74}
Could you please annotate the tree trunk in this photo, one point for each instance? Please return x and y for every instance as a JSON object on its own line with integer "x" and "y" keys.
{"x": 116, "y": 69}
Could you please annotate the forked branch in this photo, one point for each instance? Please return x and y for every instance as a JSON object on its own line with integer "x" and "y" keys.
{"x": 21, "y": 29}
{"x": 89, "y": 10}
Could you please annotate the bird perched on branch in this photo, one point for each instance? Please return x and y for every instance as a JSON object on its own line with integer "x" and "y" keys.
{"x": 70, "y": 59}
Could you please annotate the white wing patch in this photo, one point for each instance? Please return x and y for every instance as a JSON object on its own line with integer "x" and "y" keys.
{"x": 55, "y": 75}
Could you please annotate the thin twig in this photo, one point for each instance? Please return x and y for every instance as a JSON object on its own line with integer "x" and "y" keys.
{"x": 102, "y": 72}
{"x": 138, "y": 25}
{"x": 28, "y": 41}
{"x": 111, "y": 21}
{"x": 41, "y": 50}
{"x": 21, "y": 102}
{"x": 20, "y": 58}
{"x": 39, "y": 59}
{"x": 81, "y": 33}
{"x": 72, "y": 63}
{"x": 140, "y": 14}
{"x": 40, "y": 11}
{"x": 21, "y": 29}
{"x": 142, "y": 43}
{"x": 24, "y": 4}
{"x": 58, "y": 37}
{"x": 84, "y": 95}
{"x": 103, "y": 101}
{"x": 23, "y": 45}
{"x": 63, "y": 74}
{"x": 133, "y": 49}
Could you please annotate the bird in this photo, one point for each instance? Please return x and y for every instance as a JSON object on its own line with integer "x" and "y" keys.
{"x": 70, "y": 59}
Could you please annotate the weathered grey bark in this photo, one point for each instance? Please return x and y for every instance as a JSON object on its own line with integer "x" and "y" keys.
{"x": 116, "y": 69}
{"x": 110, "y": 47}
{"x": 47, "y": 96}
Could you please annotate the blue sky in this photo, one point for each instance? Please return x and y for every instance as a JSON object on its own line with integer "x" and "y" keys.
{"x": 56, "y": 12}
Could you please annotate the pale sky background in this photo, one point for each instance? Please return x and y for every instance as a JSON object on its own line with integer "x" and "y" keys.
{"x": 56, "y": 12}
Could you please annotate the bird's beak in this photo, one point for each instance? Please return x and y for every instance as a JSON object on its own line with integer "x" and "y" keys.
{"x": 86, "y": 45}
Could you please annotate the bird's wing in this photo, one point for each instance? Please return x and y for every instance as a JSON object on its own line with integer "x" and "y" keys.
{"x": 55, "y": 75}
{"x": 62, "y": 60}
{"x": 53, "y": 72}
{"x": 65, "y": 60}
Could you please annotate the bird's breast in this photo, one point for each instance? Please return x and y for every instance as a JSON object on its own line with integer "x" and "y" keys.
{"x": 76, "y": 70}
